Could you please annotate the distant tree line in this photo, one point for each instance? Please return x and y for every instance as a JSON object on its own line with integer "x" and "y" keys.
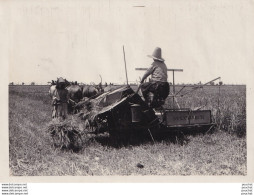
{"x": 23, "y": 83}
{"x": 170, "y": 83}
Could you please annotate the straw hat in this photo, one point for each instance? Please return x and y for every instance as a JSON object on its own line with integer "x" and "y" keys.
{"x": 61, "y": 80}
{"x": 157, "y": 54}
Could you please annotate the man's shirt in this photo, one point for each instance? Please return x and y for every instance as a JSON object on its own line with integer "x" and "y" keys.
{"x": 61, "y": 95}
{"x": 158, "y": 72}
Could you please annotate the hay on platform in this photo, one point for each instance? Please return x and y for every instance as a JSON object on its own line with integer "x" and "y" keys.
{"x": 90, "y": 108}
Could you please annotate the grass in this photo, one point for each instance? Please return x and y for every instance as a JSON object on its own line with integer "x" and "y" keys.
{"x": 221, "y": 153}
{"x": 227, "y": 103}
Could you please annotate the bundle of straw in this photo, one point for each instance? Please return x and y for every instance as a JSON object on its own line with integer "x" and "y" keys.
{"x": 67, "y": 133}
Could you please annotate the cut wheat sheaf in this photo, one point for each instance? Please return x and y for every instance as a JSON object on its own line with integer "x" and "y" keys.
{"x": 68, "y": 133}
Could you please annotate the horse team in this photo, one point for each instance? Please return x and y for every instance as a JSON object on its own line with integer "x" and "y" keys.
{"x": 74, "y": 93}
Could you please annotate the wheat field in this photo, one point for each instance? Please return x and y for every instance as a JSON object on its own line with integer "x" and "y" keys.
{"x": 222, "y": 152}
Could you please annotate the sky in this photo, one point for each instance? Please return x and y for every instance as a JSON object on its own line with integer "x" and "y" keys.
{"x": 80, "y": 40}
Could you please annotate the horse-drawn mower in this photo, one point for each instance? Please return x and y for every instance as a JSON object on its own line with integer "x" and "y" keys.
{"x": 123, "y": 112}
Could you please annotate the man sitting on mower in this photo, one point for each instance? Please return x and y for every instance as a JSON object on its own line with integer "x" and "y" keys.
{"x": 157, "y": 89}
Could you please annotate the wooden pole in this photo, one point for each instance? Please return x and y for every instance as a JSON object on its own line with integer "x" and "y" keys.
{"x": 173, "y": 89}
{"x": 125, "y": 66}
{"x": 206, "y": 83}
{"x": 195, "y": 88}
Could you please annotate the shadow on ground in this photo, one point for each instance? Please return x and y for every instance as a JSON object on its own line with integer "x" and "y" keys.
{"x": 118, "y": 141}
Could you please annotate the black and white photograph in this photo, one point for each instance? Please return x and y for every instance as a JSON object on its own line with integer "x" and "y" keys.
{"x": 129, "y": 88}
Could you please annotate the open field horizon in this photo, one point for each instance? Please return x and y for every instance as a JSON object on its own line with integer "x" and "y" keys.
{"x": 222, "y": 152}
{"x": 131, "y": 84}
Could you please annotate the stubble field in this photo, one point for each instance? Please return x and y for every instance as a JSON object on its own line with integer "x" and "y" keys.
{"x": 223, "y": 152}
